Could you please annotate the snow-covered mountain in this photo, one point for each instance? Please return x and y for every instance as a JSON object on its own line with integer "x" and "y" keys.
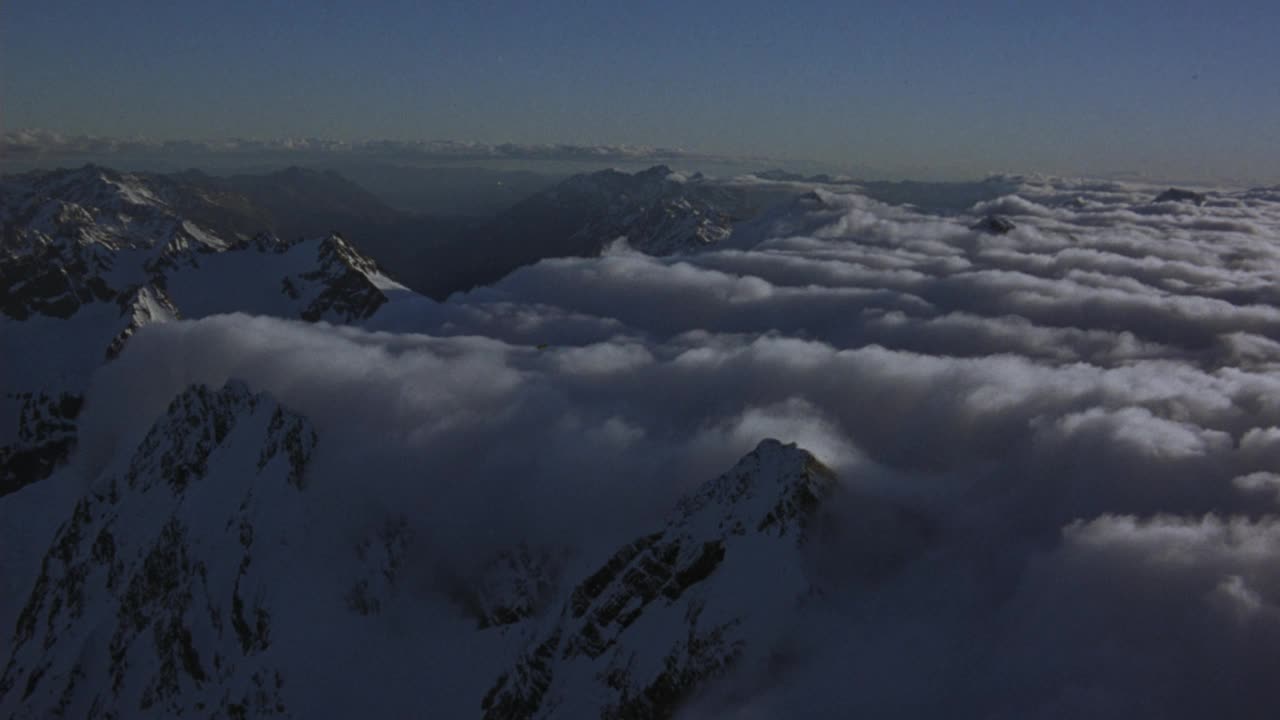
{"x": 89, "y": 256}
{"x": 73, "y": 238}
{"x": 155, "y": 612}
{"x": 715, "y": 587}
{"x": 656, "y": 211}
{"x": 189, "y": 581}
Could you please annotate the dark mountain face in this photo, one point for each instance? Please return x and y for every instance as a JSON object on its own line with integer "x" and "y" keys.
{"x": 1180, "y": 195}
{"x": 994, "y": 225}
{"x": 449, "y": 191}
{"x": 655, "y": 211}
{"x": 301, "y": 202}
{"x": 298, "y": 202}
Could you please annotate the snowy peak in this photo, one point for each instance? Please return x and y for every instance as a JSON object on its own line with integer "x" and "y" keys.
{"x": 677, "y": 607}
{"x": 76, "y": 237}
{"x": 772, "y": 490}
{"x": 156, "y": 595}
{"x": 96, "y": 206}
{"x": 90, "y": 186}
{"x": 345, "y": 282}
{"x": 146, "y": 305}
{"x": 80, "y": 237}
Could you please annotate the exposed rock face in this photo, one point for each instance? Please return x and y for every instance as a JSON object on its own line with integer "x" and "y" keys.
{"x": 155, "y": 598}
{"x": 146, "y": 305}
{"x": 44, "y": 436}
{"x": 679, "y": 606}
{"x": 656, "y": 215}
{"x": 110, "y": 253}
{"x": 73, "y": 238}
{"x": 1178, "y": 195}
{"x": 176, "y": 588}
{"x": 517, "y": 585}
{"x": 341, "y": 283}
{"x": 994, "y": 224}
{"x": 380, "y": 559}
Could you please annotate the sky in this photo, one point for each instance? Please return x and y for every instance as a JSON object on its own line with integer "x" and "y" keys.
{"x": 1164, "y": 89}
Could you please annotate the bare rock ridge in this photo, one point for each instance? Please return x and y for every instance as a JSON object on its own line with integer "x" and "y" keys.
{"x": 680, "y": 606}
{"x": 1180, "y": 195}
{"x": 994, "y": 225}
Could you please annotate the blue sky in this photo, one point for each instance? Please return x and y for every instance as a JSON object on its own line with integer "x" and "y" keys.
{"x": 1172, "y": 88}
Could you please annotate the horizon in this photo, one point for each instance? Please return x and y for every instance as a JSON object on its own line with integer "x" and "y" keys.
{"x": 42, "y": 150}
{"x": 879, "y": 91}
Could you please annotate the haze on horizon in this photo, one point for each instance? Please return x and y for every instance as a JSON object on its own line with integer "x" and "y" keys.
{"x": 1167, "y": 90}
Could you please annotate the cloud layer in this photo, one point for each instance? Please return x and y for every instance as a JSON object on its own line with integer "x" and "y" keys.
{"x": 1080, "y": 417}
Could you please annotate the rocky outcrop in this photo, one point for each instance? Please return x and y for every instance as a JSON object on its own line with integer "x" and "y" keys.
{"x": 144, "y": 306}
{"x": 679, "y": 606}
{"x": 45, "y": 436}
{"x": 1182, "y": 196}
{"x": 341, "y": 285}
{"x": 155, "y": 597}
{"x": 994, "y": 225}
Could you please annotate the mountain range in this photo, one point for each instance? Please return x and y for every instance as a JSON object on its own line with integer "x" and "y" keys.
{"x": 177, "y": 585}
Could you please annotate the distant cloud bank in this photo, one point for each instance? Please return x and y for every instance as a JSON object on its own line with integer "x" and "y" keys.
{"x": 35, "y": 142}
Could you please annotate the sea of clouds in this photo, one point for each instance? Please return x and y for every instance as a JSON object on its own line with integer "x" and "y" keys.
{"x": 1060, "y": 446}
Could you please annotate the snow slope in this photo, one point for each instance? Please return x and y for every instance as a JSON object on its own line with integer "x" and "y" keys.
{"x": 192, "y": 578}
